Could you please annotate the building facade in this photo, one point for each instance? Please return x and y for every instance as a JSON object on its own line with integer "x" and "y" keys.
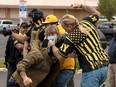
{"x": 9, "y": 9}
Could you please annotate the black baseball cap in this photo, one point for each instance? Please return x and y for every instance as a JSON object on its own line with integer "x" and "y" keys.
{"x": 24, "y": 24}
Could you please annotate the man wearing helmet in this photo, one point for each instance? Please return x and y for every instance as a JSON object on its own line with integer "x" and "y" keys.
{"x": 36, "y": 15}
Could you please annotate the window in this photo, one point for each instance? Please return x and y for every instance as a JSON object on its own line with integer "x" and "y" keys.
{"x": 105, "y": 25}
{"x": 7, "y": 22}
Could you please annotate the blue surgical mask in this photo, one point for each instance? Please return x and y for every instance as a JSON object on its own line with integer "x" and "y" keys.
{"x": 52, "y": 38}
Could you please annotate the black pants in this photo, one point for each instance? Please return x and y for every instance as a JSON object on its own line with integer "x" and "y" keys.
{"x": 11, "y": 70}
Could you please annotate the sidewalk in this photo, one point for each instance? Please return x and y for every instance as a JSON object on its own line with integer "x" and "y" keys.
{"x": 78, "y": 74}
{"x": 3, "y": 69}
{"x": 77, "y": 78}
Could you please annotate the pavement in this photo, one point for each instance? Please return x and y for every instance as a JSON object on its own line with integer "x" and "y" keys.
{"x": 77, "y": 78}
{"x": 3, "y": 69}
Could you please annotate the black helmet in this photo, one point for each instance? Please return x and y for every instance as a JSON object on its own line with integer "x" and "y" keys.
{"x": 36, "y": 14}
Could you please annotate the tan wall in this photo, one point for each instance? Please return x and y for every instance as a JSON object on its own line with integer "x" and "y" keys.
{"x": 9, "y": 9}
{"x": 13, "y": 13}
{"x": 2, "y": 12}
{"x": 59, "y": 13}
{"x": 48, "y": 2}
{"x": 47, "y": 11}
{"x": 77, "y": 13}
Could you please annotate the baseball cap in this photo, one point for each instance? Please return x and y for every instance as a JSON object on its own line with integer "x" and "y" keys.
{"x": 24, "y": 24}
{"x": 50, "y": 19}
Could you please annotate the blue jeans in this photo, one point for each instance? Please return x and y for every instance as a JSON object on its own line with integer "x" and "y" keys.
{"x": 63, "y": 78}
{"x": 94, "y": 78}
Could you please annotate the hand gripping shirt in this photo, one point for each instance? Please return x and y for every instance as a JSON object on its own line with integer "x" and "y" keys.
{"x": 90, "y": 53}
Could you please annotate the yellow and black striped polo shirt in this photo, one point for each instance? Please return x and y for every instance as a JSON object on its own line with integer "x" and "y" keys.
{"x": 90, "y": 53}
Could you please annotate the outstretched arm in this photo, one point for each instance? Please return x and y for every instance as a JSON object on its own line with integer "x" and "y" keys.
{"x": 19, "y": 37}
{"x": 15, "y": 35}
{"x": 89, "y": 9}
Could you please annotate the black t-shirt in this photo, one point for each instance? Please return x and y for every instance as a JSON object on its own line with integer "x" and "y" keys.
{"x": 10, "y": 51}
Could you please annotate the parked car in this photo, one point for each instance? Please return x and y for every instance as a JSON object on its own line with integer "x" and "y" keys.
{"x": 114, "y": 28}
{"x": 113, "y": 18}
{"x": 6, "y": 24}
{"x": 102, "y": 39}
{"x": 105, "y": 25}
{"x": 107, "y": 29}
{"x": 103, "y": 19}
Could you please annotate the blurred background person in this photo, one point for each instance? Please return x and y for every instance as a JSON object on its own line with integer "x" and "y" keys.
{"x": 10, "y": 60}
{"x": 112, "y": 61}
{"x": 23, "y": 29}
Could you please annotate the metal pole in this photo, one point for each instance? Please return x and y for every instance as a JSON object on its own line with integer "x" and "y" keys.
{"x": 21, "y": 20}
{"x": 22, "y": 10}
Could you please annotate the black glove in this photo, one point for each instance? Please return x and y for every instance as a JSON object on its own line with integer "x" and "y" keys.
{"x": 6, "y": 32}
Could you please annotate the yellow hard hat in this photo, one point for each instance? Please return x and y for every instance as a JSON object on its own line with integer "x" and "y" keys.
{"x": 50, "y": 19}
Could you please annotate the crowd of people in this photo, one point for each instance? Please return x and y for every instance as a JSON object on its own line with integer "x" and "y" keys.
{"x": 43, "y": 53}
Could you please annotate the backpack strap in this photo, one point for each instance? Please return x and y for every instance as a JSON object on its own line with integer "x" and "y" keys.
{"x": 34, "y": 43}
